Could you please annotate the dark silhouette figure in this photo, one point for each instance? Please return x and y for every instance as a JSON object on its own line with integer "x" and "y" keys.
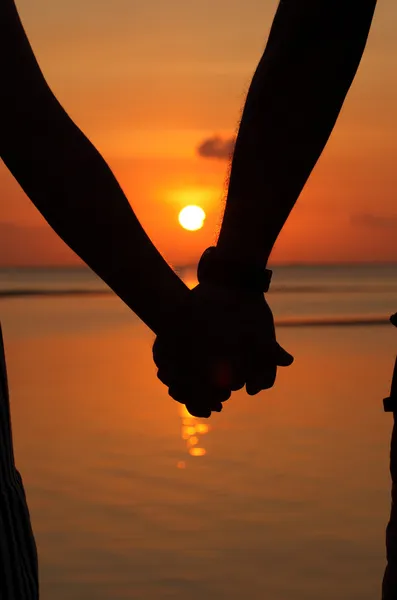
{"x": 220, "y": 336}
{"x": 389, "y": 588}
{"x": 19, "y": 578}
{"x": 297, "y": 92}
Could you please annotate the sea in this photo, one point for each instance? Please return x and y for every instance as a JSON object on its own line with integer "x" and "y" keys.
{"x": 284, "y": 495}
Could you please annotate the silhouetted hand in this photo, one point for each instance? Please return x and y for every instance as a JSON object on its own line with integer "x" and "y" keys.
{"x": 223, "y": 340}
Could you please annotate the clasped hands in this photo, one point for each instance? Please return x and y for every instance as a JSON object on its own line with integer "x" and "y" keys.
{"x": 222, "y": 340}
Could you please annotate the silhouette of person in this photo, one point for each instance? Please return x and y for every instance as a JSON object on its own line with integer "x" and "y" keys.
{"x": 389, "y": 584}
{"x": 311, "y": 58}
{"x": 312, "y": 55}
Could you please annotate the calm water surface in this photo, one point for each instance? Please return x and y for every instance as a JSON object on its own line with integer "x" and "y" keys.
{"x": 282, "y": 496}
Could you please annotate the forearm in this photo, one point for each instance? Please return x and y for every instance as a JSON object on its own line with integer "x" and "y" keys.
{"x": 311, "y": 58}
{"x": 74, "y": 189}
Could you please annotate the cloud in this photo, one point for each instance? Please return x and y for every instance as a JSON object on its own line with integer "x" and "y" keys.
{"x": 216, "y": 147}
{"x": 373, "y": 221}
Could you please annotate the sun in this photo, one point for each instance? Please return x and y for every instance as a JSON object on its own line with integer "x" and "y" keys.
{"x": 192, "y": 217}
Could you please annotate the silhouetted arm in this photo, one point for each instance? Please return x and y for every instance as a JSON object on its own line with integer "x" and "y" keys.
{"x": 311, "y": 58}
{"x": 72, "y": 186}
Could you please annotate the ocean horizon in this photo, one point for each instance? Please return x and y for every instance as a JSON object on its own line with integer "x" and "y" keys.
{"x": 367, "y": 292}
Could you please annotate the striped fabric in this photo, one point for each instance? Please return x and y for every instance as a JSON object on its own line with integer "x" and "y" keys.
{"x": 18, "y": 554}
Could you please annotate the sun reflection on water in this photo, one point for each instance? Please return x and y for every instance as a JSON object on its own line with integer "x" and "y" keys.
{"x": 191, "y": 432}
{"x": 197, "y": 451}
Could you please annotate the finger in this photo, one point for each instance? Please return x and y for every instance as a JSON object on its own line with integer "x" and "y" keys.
{"x": 183, "y": 393}
{"x": 170, "y": 354}
{"x": 237, "y": 383}
{"x": 198, "y": 395}
{"x": 283, "y": 358}
{"x": 238, "y": 374}
{"x": 198, "y": 410}
{"x": 165, "y": 377}
{"x": 260, "y": 365}
{"x": 157, "y": 351}
{"x": 169, "y": 376}
{"x": 228, "y": 373}
{"x": 261, "y": 379}
{"x": 222, "y": 394}
{"x": 221, "y": 374}
{"x": 175, "y": 393}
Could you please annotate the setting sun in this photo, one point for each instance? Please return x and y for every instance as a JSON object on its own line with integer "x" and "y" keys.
{"x": 192, "y": 217}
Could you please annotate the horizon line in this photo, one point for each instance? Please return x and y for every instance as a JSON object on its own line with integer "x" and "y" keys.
{"x": 194, "y": 265}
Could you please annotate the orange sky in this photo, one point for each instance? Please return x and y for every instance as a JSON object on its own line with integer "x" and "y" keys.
{"x": 148, "y": 81}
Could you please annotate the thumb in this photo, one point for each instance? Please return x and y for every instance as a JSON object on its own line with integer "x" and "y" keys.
{"x": 283, "y": 358}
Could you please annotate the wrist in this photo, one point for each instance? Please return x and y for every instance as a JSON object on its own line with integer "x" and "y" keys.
{"x": 158, "y": 300}
{"x": 237, "y": 274}
{"x": 245, "y": 251}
